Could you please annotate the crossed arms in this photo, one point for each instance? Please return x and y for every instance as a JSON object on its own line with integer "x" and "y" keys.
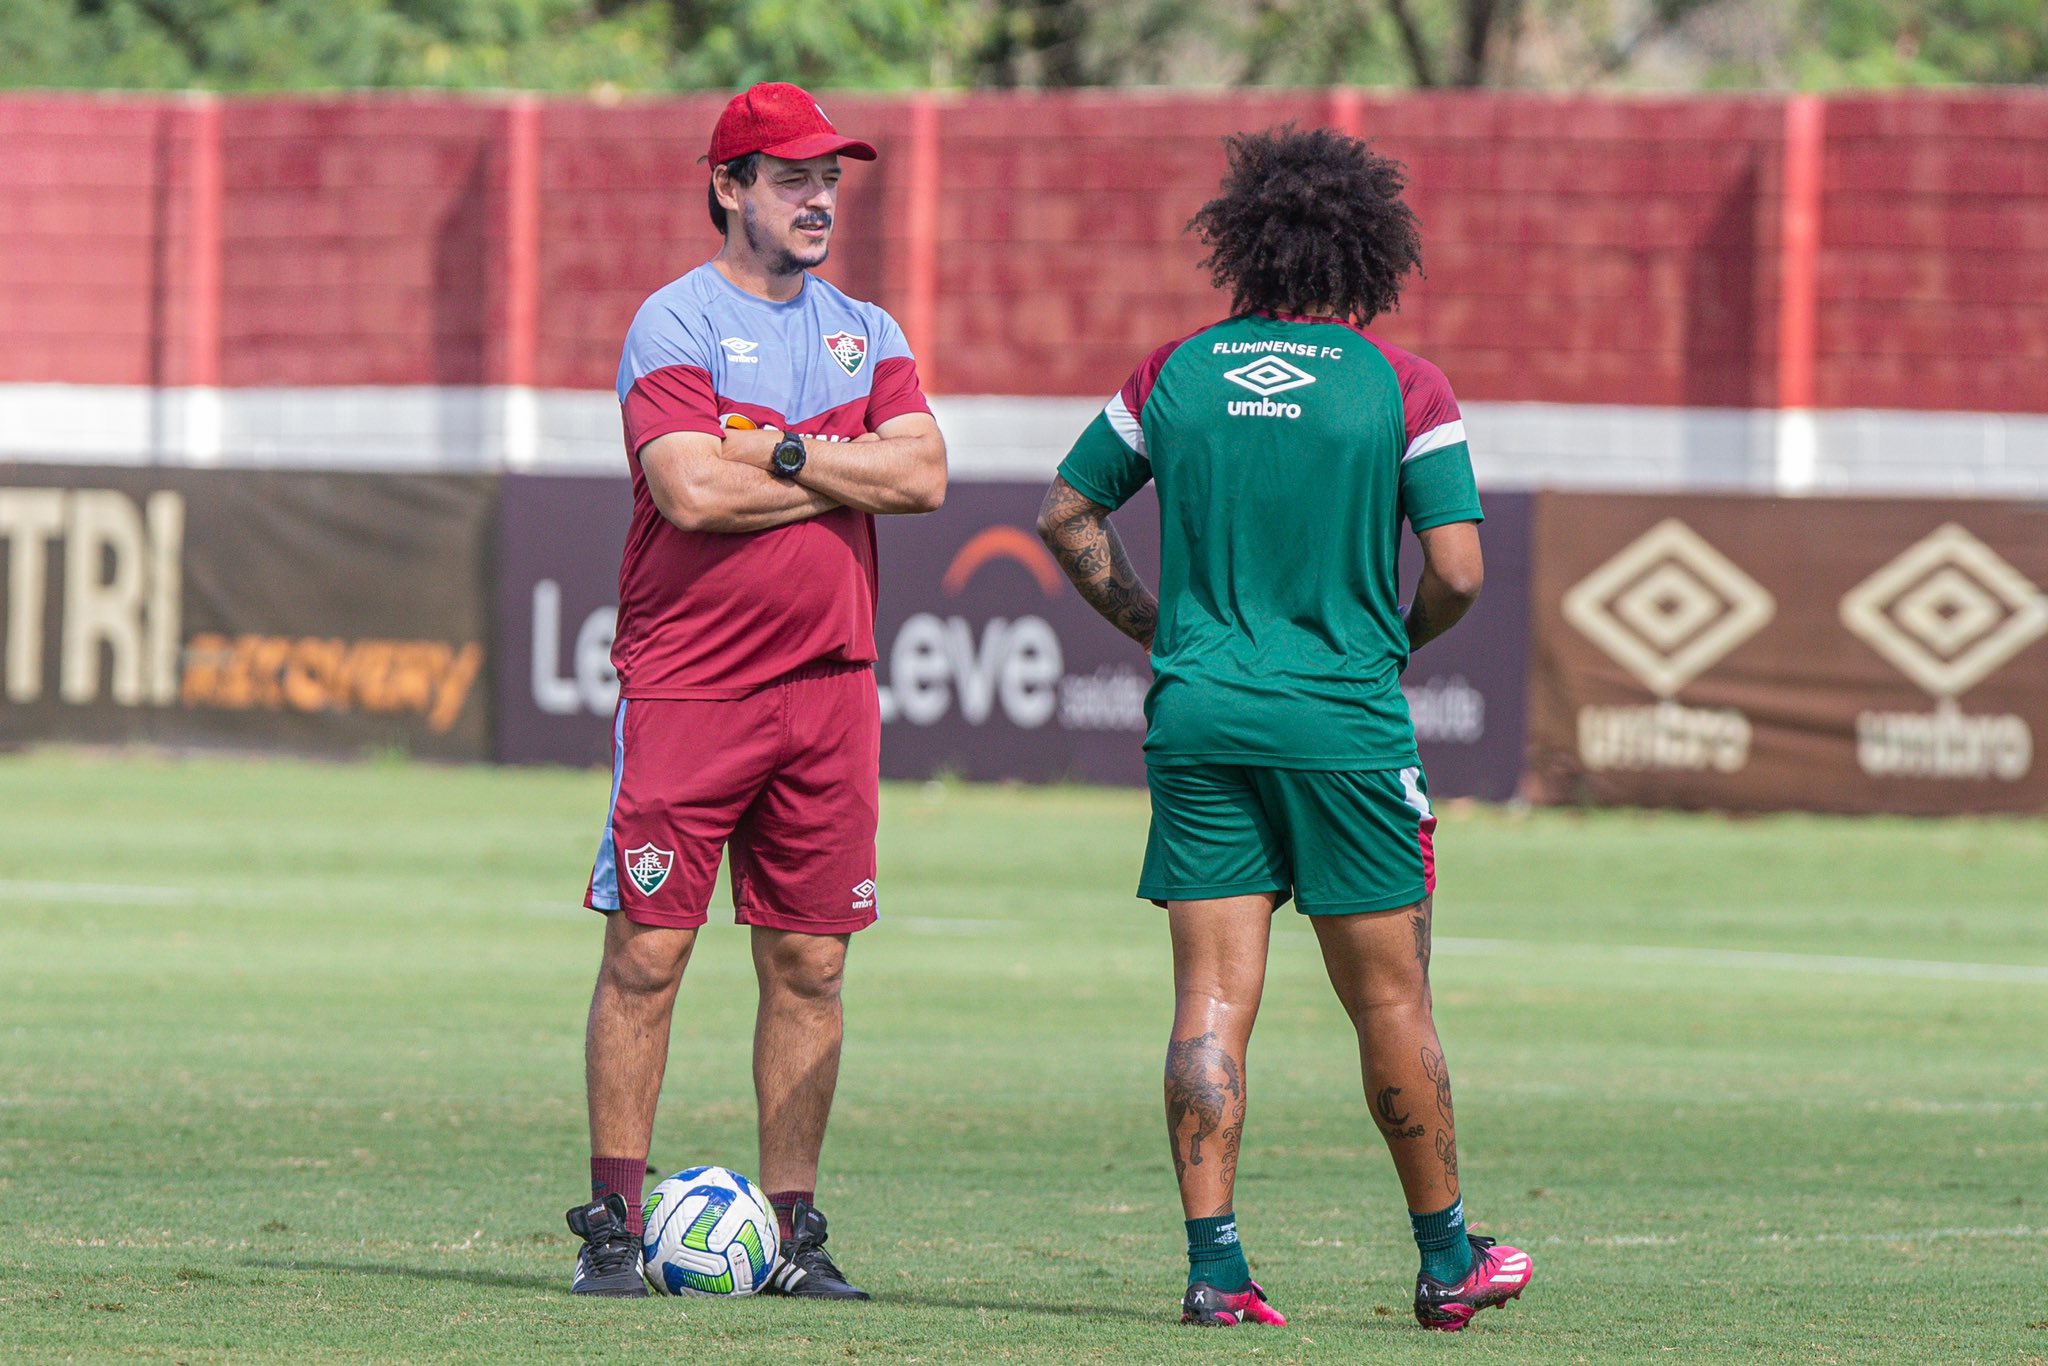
{"x": 702, "y": 483}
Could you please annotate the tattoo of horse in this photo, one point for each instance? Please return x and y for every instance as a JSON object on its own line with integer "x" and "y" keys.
{"x": 1204, "y": 1093}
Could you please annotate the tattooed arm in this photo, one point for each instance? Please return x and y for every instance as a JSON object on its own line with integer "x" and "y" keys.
{"x": 1077, "y": 530}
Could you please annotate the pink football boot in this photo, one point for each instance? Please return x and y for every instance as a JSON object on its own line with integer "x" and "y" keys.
{"x": 1498, "y": 1274}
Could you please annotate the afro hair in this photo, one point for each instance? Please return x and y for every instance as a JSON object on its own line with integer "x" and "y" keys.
{"x": 1309, "y": 221}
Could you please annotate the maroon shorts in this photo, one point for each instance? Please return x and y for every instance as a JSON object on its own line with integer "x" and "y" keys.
{"x": 787, "y": 776}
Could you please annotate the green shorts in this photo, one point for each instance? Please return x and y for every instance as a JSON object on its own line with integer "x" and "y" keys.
{"x": 1337, "y": 843}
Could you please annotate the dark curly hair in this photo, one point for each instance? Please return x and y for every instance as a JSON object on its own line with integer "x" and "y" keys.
{"x": 1309, "y": 220}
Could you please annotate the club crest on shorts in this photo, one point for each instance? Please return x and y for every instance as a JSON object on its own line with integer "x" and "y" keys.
{"x": 648, "y": 867}
{"x": 849, "y": 350}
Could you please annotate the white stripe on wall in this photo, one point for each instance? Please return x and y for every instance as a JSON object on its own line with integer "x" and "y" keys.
{"x": 1514, "y": 445}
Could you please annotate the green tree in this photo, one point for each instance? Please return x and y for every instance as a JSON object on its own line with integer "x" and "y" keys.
{"x": 656, "y": 45}
{"x": 1925, "y": 42}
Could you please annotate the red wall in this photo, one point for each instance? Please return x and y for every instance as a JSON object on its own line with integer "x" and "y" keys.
{"x": 81, "y": 217}
{"x": 1934, "y": 253}
{"x": 1578, "y": 250}
{"x": 361, "y": 242}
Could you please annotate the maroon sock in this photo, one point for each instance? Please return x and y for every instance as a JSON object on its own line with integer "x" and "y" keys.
{"x": 623, "y": 1175}
{"x": 785, "y": 1205}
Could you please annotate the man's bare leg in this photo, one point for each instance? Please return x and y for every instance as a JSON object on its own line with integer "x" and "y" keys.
{"x": 1379, "y": 964}
{"x": 625, "y": 1053}
{"x": 797, "y": 1033}
{"x": 625, "y": 1046}
{"x": 796, "y": 1069}
{"x": 1219, "y": 973}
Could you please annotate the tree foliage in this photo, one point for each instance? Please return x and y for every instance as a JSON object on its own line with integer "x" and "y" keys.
{"x": 657, "y": 45}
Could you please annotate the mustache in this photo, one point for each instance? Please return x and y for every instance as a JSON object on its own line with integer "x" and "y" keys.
{"x": 814, "y": 220}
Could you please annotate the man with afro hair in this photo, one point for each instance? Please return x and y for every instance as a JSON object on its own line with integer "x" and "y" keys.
{"x": 1289, "y": 444}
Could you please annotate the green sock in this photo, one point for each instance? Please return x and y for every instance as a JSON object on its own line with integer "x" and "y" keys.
{"x": 1215, "y": 1255}
{"x": 1446, "y": 1255}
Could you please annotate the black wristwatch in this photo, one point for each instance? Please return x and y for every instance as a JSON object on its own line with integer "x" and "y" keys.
{"x": 788, "y": 460}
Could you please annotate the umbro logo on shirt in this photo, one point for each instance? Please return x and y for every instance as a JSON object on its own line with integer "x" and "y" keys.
{"x": 1267, "y": 376}
{"x": 741, "y": 350}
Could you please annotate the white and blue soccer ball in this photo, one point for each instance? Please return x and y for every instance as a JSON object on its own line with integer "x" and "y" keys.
{"x": 710, "y": 1231}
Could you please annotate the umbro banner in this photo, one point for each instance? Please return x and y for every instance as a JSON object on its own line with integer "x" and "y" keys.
{"x": 1822, "y": 654}
{"x": 320, "y": 613}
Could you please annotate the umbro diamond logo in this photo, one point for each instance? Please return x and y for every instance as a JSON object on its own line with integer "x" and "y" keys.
{"x": 1948, "y": 612}
{"x": 649, "y": 867}
{"x": 864, "y": 895}
{"x": 1269, "y": 375}
{"x": 1668, "y": 607}
{"x": 741, "y": 350}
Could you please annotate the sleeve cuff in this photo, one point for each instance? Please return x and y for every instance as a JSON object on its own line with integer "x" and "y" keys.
{"x": 1086, "y": 487}
{"x": 1433, "y": 520}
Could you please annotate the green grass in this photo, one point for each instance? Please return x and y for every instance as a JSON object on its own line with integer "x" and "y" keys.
{"x": 290, "y": 1070}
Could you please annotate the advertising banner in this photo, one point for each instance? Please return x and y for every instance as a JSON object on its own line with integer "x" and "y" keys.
{"x": 1468, "y": 689}
{"x": 317, "y": 613}
{"x": 991, "y": 667}
{"x": 1761, "y": 654}
{"x": 559, "y": 539}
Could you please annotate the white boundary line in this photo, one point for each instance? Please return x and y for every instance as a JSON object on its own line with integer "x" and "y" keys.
{"x": 1923, "y": 1235}
{"x": 2026, "y": 974}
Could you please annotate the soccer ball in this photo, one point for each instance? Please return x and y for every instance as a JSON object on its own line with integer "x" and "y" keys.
{"x": 709, "y": 1232}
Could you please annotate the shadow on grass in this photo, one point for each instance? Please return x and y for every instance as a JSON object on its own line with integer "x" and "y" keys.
{"x": 411, "y": 1273}
{"x": 914, "y": 1299}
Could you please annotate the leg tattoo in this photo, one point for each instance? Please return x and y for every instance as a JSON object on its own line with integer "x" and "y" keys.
{"x": 1446, "y": 1137}
{"x": 1391, "y": 1118}
{"x": 1202, "y": 1083}
{"x": 1420, "y": 923}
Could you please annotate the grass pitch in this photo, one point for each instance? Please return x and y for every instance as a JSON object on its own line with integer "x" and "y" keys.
{"x": 290, "y": 1071}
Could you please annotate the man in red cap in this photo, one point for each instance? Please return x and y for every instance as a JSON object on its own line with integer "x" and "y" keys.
{"x": 769, "y": 419}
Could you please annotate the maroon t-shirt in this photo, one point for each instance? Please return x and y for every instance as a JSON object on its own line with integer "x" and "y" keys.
{"x": 713, "y": 614}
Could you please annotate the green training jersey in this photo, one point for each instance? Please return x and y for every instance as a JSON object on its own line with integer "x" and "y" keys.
{"x": 1288, "y": 451}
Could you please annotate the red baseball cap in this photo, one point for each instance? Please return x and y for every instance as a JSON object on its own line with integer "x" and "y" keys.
{"x": 783, "y": 121}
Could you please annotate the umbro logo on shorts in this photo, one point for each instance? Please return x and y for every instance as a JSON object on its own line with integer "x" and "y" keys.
{"x": 648, "y": 867}
{"x": 864, "y": 895}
